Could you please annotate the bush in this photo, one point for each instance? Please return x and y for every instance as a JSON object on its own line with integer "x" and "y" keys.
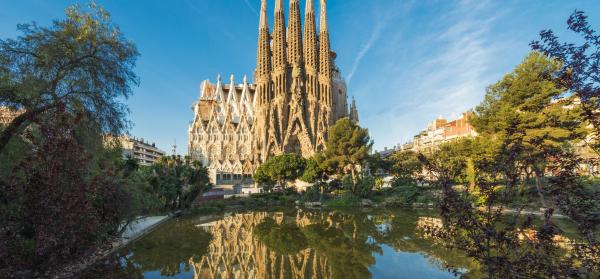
{"x": 334, "y": 184}
{"x": 346, "y": 182}
{"x": 364, "y": 186}
{"x": 311, "y": 194}
{"x": 347, "y": 199}
{"x": 407, "y": 194}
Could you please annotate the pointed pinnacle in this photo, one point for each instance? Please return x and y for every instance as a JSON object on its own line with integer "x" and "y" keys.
{"x": 310, "y": 6}
{"x": 324, "y": 26}
{"x": 278, "y": 5}
{"x": 263, "y": 15}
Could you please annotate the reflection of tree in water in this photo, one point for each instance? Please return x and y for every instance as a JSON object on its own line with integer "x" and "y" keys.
{"x": 284, "y": 239}
{"x": 169, "y": 247}
{"x": 291, "y": 244}
{"x": 166, "y": 250}
{"x": 342, "y": 240}
{"x": 403, "y": 232}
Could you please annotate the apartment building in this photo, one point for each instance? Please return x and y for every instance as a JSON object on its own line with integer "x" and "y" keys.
{"x": 146, "y": 153}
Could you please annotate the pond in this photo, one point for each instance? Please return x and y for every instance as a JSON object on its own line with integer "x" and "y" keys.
{"x": 290, "y": 243}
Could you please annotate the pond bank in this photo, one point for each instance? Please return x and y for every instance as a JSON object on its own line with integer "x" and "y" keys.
{"x": 138, "y": 228}
{"x": 134, "y": 230}
{"x": 294, "y": 200}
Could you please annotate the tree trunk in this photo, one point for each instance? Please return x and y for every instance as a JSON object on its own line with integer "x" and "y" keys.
{"x": 538, "y": 186}
{"x": 353, "y": 180}
{"x": 15, "y": 125}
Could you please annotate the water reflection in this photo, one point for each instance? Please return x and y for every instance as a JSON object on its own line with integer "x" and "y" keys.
{"x": 290, "y": 244}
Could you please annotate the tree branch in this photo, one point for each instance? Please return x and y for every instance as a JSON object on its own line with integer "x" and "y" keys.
{"x": 15, "y": 125}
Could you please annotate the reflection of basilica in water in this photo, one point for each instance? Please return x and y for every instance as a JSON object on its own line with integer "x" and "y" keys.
{"x": 236, "y": 252}
{"x": 292, "y": 243}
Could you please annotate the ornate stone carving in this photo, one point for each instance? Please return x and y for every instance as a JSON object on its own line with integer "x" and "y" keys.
{"x": 288, "y": 109}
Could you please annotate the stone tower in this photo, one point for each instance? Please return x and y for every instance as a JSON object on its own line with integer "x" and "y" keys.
{"x": 297, "y": 94}
{"x": 302, "y": 109}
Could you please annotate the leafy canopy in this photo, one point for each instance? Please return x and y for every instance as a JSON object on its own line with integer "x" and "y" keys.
{"x": 348, "y": 146}
{"x": 281, "y": 169}
{"x": 82, "y": 62}
{"x": 529, "y": 115}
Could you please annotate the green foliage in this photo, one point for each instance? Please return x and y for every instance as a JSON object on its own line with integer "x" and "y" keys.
{"x": 179, "y": 241}
{"x": 518, "y": 112}
{"x": 406, "y": 166}
{"x": 312, "y": 194}
{"x": 176, "y": 180}
{"x": 262, "y": 177}
{"x": 378, "y": 164}
{"x": 347, "y": 183}
{"x": 364, "y": 186}
{"x": 284, "y": 239}
{"x": 81, "y": 63}
{"x": 312, "y": 172}
{"x": 379, "y": 182}
{"x": 281, "y": 169}
{"x": 579, "y": 73}
{"x": 348, "y": 146}
{"x": 345, "y": 200}
{"x": 523, "y": 130}
{"x": 448, "y": 163}
{"x": 144, "y": 200}
{"x": 60, "y": 200}
{"x": 406, "y": 193}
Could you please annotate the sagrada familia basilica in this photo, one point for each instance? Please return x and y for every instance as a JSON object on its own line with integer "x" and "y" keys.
{"x": 297, "y": 93}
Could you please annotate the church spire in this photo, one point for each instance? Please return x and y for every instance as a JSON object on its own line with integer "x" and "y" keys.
{"x": 263, "y": 65}
{"x": 310, "y": 38}
{"x": 294, "y": 36}
{"x": 353, "y": 111}
{"x": 325, "y": 82}
{"x": 324, "y": 44}
{"x": 264, "y": 20}
{"x": 311, "y": 65}
{"x": 279, "y": 51}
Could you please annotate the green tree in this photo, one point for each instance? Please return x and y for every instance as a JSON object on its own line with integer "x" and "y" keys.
{"x": 263, "y": 178}
{"x": 580, "y": 71}
{"x": 81, "y": 63}
{"x": 378, "y": 165}
{"x": 312, "y": 172}
{"x": 406, "y": 166}
{"x": 521, "y": 112}
{"x": 348, "y": 146}
{"x": 59, "y": 202}
{"x": 177, "y": 181}
{"x": 282, "y": 169}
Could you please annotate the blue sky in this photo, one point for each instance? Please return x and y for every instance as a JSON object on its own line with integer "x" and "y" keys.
{"x": 406, "y": 62}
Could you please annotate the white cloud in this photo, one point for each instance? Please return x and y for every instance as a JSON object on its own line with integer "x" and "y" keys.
{"x": 363, "y": 51}
{"x": 443, "y": 69}
{"x": 252, "y": 9}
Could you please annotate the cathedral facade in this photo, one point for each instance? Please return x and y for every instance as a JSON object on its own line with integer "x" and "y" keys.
{"x": 296, "y": 94}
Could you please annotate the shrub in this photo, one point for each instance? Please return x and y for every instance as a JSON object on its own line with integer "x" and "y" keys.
{"x": 407, "y": 193}
{"x": 346, "y": 182}
{"x": 311, "y": 194}
{"x": 347, "y": 199}
{"x": 364, "y": 186}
